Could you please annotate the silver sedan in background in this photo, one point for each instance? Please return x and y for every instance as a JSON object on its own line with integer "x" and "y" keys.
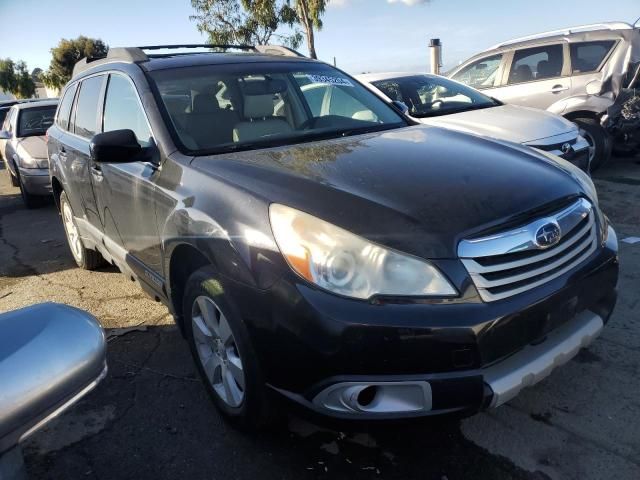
{"x": 439, "y": 101}
{"x": 24, "y": 149}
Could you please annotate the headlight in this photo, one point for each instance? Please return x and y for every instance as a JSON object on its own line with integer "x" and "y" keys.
{"x": 347, "y": 264}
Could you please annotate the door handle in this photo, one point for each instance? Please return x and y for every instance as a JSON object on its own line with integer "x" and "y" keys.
{"x": 96, "y": 170}
{"x": 558, "y": 89}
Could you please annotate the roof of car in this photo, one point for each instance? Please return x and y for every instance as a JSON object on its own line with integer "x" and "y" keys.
{"x": 214, "y": 58}
{"x": 36, "y": 104}
{"x": 149, "y": 59}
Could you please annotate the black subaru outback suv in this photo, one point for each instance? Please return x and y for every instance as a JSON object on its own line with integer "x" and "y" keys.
{"x": 313, "y": 244}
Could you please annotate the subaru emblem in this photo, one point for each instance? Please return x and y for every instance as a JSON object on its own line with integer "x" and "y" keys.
{"x": 548, "y": 235}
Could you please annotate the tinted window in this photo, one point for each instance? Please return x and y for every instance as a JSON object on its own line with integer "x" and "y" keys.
{"x": 482, "y": 73}
{"x": 391, "y": 88}
{"x": 587, "y": 56}
{"x": 35, "y": 120}
{"x": 428, "y": 96}
{"x": 122, "y": 109}
{"x": 3, "y": 114}
{"x": 87, "y": 107}
{"x": 65, "y": 107}
{"x": 536, "y": 64}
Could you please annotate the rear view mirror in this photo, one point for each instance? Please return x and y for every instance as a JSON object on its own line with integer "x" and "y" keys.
{"x": 4, "y": 135}
{"x": 50, "y": 356}
{"x": 481, "y": 66}
{"x": 117, "y": 146}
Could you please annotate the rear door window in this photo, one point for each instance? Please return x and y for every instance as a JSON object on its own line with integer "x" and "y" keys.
{"x": 536, "y": 63}
{"x": 588, "y": 56}
{"x": 86, "y": 117}
{"x": 65, "y": 107}
{"x": 482, "y": 73}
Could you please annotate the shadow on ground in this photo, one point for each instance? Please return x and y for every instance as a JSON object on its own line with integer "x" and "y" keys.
{"x": 152, "y": 419}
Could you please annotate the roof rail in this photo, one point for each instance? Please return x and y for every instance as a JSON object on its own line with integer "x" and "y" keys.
{"x": 567, "y": 31}
{"x": 137, "y": 54}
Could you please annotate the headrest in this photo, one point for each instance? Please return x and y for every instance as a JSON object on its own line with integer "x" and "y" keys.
{"x": 258, "y": 106}
{"x": 203, "y": 103}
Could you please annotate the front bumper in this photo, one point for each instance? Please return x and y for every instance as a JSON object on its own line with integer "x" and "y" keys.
{"x": 423, "y": 358}
{"x": 36, "y": 181}
{"x": 571, "y": 147}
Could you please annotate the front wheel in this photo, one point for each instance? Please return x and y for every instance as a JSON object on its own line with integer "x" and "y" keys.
{"x": 30, "y": 200}
{"x": 223, "y": 353}
{"x": 85, "y": 258}
{"x": 599, "y": 142}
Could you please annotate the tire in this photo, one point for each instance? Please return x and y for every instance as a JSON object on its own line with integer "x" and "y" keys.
{"x": 599, "y": 141}
{"x": 14, "y": 180}
{"x": 30, "y": 201}
{"x": 223, "y": 353}
{"x": 85, "y": 258}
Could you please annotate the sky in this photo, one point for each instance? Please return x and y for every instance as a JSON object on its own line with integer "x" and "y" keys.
{"x": 363, "y": 35}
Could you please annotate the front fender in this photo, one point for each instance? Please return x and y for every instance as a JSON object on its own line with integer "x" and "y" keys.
{"x": 241, "y": 254}
{"x": 596, "y": 104}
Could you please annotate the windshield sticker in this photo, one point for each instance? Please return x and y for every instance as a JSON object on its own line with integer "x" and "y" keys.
{"x": 327, "y": 80}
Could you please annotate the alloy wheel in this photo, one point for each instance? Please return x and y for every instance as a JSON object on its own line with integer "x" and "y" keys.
{"x": 73, "y": 237}
{"x": 218, "y": 351}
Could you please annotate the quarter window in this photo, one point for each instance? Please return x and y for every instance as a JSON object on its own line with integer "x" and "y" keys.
{"x": 587, "y": 56}
{"x": 122, "y": 110}
{"x": 87, "y": 107}
{"x": 65, "y": 107}
{"x": 481, "y": 73}
{"x": 536, "y": 63}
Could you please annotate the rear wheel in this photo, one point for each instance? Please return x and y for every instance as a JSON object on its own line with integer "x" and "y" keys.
{"x": 599, "y": 142}
{"x": 85, "y": 258}
{"x": 223, "y": 353}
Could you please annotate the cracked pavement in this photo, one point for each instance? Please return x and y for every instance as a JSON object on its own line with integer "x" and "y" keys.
{"x": 151, "y": 417}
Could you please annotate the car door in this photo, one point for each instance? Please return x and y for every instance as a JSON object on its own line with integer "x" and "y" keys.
{"x": 125, "y": 191}
{"x": 75, "y": 150}
{"x": 536, "y": 77}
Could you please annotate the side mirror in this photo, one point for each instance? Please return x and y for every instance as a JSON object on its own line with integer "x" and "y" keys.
{"x": 117, "y": 146}
{"x": 50, "y": 356}
{"x": 5, "y": 135}
{"x": 401, "y": 106}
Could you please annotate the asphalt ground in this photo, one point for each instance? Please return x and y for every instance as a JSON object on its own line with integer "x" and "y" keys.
{"x": 151, "y": 417}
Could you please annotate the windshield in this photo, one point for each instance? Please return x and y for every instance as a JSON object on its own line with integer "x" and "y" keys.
{"x": 428, "y": 96}
{"x": 35, "y": 120}
{"x": 217, "y": 108}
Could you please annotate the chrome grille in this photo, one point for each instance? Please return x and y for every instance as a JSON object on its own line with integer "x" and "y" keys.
{"x": 512, "y": 262}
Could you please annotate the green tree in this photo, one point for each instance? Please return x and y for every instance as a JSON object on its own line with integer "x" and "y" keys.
{"x": 8, "y": 81}
{"x": 246, "y": 22}
{"x": 15, "y": 78}
{"x": 66, "y": 54}
{"x": 25, "y": 88}
{"x": 309, "y": 13}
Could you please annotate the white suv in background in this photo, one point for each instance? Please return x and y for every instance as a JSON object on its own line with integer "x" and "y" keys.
{"x": 439, "y": 101}
{"x": 575, "y": 72}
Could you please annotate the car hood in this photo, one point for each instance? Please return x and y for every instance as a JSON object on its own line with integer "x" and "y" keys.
{"x": 505, "y": 122}
{"x": 417, "y": 189}
{"x": 35, "y": 146}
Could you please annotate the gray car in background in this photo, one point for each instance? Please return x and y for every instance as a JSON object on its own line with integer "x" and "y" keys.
{"x": 575, "y": 72}
{"x": 24, "y": 148}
